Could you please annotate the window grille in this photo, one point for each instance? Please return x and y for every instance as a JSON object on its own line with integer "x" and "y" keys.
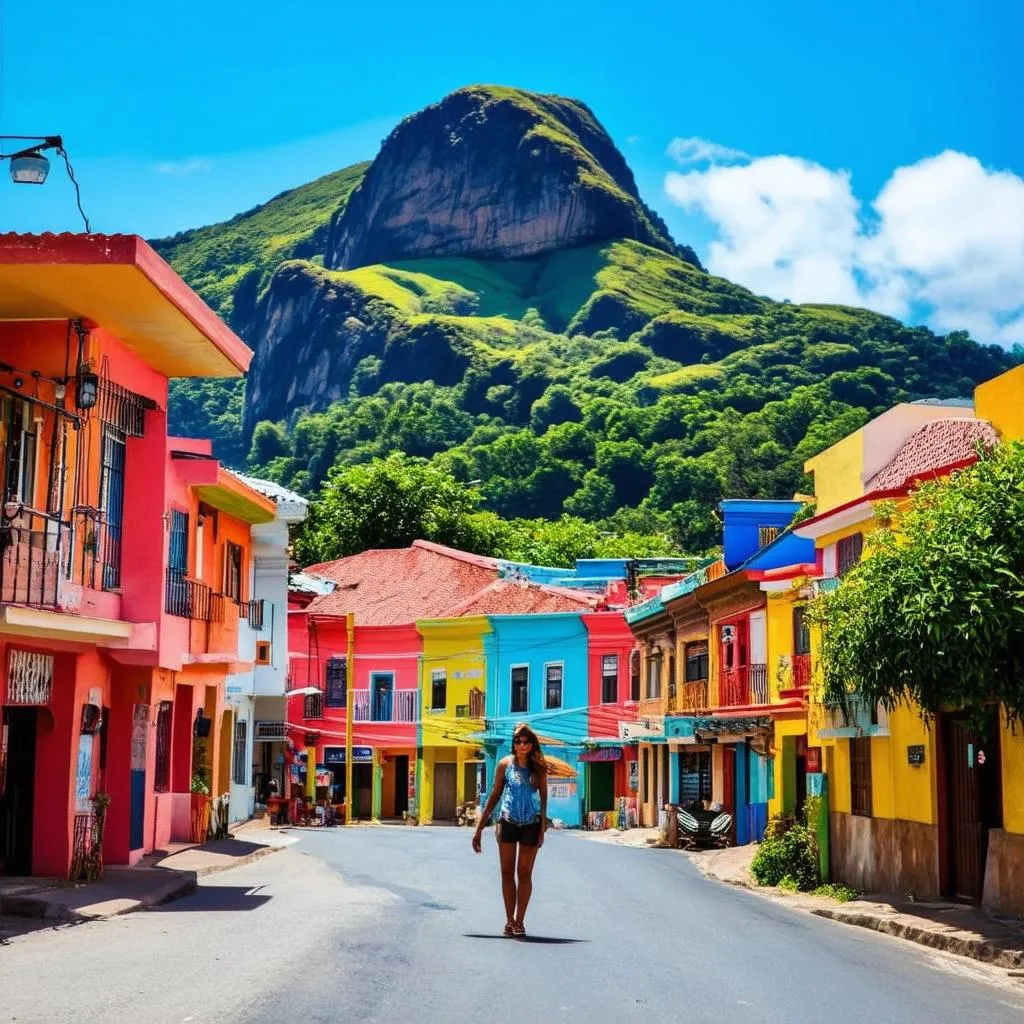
{"x": 162, "y": 773}
{"x": 238, "y": 772}
{"x": 610, "y": 679}
{"x": 860, "y": 776}
{"x": 438, "y": 690}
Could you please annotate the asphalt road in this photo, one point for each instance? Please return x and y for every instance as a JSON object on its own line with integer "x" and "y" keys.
{"x": 402, "y": 925}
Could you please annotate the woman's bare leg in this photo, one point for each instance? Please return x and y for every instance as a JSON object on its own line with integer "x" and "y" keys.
{"x": 524, "y": 874}
{"x": 507, "y": 853}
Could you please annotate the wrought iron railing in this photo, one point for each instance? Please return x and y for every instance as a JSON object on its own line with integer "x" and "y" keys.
{"x": 694, "y": 696}
{"x": 313, "y": 705}
{"x": 742, "y": 686}
{"x": 191, "y": 599}
{"x": 476, "y": 703}
{"x": 269, "y": 731}
{"x": 385, "y": 705}
{"x": 253, "y": 612}
{"x": 33, "y": 550}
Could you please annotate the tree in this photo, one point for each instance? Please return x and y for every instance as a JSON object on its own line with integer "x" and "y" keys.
{"x": 387, "y": 503}
{"x": 934, "y": 613}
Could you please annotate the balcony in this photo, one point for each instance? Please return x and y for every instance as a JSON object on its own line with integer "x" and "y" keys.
{"x": 386, "y": 706}
{"x": 34, "y": 546}
{"x": 190, "y": 599}
{"x": 313, "y": 705}
{"x": 475, "y": 707}
{"x": 743, "y": 686}
{"x": 694, "y": 696}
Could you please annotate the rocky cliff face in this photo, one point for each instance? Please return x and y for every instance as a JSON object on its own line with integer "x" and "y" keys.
{"x": 496, "y": 173}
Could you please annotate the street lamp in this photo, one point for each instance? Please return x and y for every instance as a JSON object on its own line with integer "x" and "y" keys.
{"x": 30, "y": 167}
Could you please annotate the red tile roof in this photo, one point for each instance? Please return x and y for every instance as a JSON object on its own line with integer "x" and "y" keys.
{"x": 390, "y": 586}
{"x": 937, "y": 444}
{"x": 505, "y": 598}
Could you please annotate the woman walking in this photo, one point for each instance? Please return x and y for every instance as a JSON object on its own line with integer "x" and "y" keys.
{"x": 521, "y": 784}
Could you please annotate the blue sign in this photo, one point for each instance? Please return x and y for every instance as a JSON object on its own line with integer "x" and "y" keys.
{"x": 336, "y": 755}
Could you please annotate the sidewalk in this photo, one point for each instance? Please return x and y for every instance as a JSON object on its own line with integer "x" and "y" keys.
{"x": 160, "y": 877}
{"x": 952, "y": 927}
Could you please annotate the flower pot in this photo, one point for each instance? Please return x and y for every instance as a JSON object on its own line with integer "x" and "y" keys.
{"x": 201, "y": 807}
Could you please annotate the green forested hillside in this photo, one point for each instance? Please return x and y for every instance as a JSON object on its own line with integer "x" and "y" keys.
{"x": 616, "y": 382}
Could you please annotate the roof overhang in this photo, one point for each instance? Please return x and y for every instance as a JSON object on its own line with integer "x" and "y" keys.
{"x": 222, "y": 490}
{"x": 55, "y": 625}
{"x": 858, "y": 510}
{"x": 119, "y": 283}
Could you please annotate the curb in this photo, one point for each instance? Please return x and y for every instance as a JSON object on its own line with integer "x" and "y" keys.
{"x": 187, "y": 882}
{"x": 984, "y": 950}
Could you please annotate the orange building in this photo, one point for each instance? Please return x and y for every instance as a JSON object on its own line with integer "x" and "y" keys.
{"x": 123, "y": 555}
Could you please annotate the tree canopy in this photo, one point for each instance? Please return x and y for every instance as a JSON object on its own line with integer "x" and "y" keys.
{"x": 934, "y": 613}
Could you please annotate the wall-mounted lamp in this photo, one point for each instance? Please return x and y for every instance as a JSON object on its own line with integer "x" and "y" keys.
{"x": 88, "y": 389}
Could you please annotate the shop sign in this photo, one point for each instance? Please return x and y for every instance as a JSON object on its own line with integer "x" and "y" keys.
{"x": 915, "y": 754}
{"x": 336, "y": 755}
{"x": 644, "y": 729}
{"x": 603, "y": 754}
{"x": 812, "y": 760}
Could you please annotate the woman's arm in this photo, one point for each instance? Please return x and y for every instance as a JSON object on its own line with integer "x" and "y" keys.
{"x": 542, "y": 788}
{"x": 492, "y": 800}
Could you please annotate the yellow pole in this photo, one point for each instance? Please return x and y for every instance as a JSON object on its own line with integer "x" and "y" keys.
{"x": 350, "y": 677}
{"x": 311, "y": 774}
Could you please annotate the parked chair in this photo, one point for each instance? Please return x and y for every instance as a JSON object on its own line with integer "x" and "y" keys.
{"x": 703, "y": 829}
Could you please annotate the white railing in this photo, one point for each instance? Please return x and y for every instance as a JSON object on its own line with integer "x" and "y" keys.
{"x": 269, "y": 731}
{"x": 385, "y": 706}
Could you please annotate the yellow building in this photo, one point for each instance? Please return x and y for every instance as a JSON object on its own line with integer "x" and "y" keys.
{"x": 912, "y": 805}
{"x": 452, "y": 685}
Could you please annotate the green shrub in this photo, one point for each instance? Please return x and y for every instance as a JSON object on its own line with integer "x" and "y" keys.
{"x": 836, "y": 891}
{"x": 787, "y": 857}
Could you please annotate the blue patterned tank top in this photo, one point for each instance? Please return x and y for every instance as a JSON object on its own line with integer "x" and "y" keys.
{"x": 520, "y": 802}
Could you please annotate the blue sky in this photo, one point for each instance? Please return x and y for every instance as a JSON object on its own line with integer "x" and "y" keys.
{"x": 177, "y": 115}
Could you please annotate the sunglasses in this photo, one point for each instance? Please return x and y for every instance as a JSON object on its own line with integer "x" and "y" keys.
{"x": 523, "y": 739}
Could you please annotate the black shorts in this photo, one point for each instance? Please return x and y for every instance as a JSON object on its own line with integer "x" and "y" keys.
{"x": 510, "y": 832}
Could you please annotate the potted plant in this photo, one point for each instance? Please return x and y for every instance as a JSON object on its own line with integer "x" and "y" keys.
{"x": 200, "y": 807}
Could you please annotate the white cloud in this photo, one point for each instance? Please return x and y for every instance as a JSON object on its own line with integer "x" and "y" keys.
{"x": 632, "y": 140}
{"x": 190, "y": 165}
{"x": 943, "y": 238}
{"x": 690, "y": 151}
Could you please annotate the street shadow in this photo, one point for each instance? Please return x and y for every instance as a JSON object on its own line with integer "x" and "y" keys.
{"x": 217, "y": 898}
{"x": 540, "y": 939}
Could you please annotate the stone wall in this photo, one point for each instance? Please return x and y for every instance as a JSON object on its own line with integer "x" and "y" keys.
{"x": 884, "y": 855}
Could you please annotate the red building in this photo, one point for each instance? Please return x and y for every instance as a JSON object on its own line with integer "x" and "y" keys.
{"x": 123, "y": 554}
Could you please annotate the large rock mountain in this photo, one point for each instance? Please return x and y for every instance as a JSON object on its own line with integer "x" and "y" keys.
{"x": 492, "y": 173}
{"x": 491, "y": 291}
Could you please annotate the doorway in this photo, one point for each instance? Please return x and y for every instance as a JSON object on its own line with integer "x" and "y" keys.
{"x": 444, "y": 791}
{"x": 601, "y": 786}
{"x": 973, "y": 802}
{"x": 17, "y": 789}
{"x": 401, "y": 784}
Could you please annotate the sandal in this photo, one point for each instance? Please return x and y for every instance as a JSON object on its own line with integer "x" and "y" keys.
{"x": 510, "y": 930}
{"x": 519, "y": 930}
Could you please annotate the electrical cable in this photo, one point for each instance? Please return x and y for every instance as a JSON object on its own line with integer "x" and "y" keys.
{"x": 61, "y": 151}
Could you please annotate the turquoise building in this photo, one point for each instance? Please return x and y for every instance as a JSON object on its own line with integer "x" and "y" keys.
{"x": 537, "y": 673}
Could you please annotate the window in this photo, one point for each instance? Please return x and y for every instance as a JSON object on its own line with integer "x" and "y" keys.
{"x": 860, "y": 776}
{"x": 438, "y": 689}
{"x": 313, "y": 705}
{"x": 162, "y": 774}
{"x": 112, "y": 504}
{"x": 654, "y": 675}
{"x": 801, "y": 631}
{"x": 849, "y": 551}
{"x": 697, "y": 661}
{"x": 233, "y": 571}
{"x": 382, "y": 692}
{"x": 610, "y": 679}
{"x": 634, "y": 676}
{"x": 553, "y": 686}
{"x": 520, "y": 688}
{"x": 239, "y": 760}
{"x": 766, "y": 534}
{"x": 262, "y": 652}
{"x": 336, "y": 682}
{"x": 21, "y": 454}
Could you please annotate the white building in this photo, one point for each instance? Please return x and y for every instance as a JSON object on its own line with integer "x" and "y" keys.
{"x": 257, "y": 695}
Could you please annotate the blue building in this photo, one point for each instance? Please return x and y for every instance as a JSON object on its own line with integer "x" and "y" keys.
{"x": 537, "y": 673}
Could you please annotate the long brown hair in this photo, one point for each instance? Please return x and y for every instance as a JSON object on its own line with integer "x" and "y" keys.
{"x": 538, "y": 766}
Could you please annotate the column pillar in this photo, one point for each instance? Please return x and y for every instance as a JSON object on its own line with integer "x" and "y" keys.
{"x": 377, "y": 771}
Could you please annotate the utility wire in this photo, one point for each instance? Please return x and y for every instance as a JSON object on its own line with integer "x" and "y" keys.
{"x": 74, "y": 181}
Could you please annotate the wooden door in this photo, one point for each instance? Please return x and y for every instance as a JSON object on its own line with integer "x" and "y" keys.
{"x": 401, "y": 784}
{"x": 444, "y": 792}
{"x": 729, "y": 778}
{"x": 973, "y": 803}
{"x": 17, "y": 789}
